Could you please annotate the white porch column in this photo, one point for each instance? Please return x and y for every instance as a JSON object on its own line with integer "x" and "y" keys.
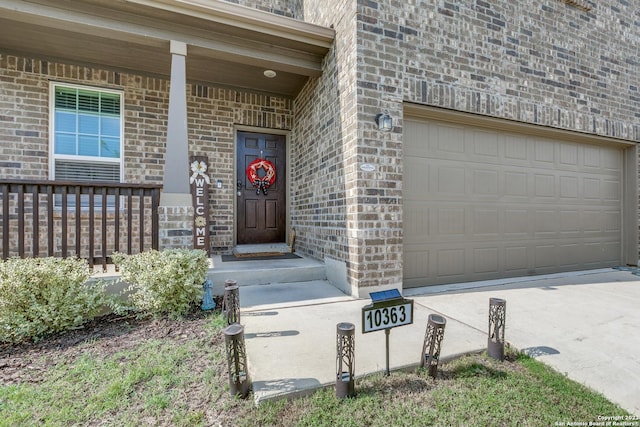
{"x": 176, "y": 205}
{"x": 176, "y": 168}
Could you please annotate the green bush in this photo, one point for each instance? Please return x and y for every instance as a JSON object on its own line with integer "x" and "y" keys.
{"x": 40, "y": 296}
{"x": 167, "y": 282}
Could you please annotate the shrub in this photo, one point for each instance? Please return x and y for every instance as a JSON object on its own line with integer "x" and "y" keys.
{"x": 40, "y": 296}
{"x": 167, "y": 282}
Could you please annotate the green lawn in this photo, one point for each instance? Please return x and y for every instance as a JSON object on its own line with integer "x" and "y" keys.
{"x": 180, "y": 379}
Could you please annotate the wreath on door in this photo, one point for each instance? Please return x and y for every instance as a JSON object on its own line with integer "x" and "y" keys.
{"x": 261, "y": 183}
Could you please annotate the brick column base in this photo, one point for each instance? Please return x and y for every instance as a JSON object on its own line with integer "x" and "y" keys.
{"x": 175, "y": 227}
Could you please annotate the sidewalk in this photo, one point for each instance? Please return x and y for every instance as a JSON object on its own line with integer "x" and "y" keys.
{"x": 582, "y": 324}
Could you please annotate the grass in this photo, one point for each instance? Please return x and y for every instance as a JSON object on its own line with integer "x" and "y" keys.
{"x": 160, "y": 382}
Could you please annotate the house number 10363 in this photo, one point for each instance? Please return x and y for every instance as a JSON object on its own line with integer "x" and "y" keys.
{"x": 387, "y": 317}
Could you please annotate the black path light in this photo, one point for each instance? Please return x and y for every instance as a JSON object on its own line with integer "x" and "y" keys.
{"x": 236, "y": 360}
{"x": 432, "y": 343}
{"x": 345, "y": 360}
{"x": 231, "y": 305}
{"x": 497, "y": 323}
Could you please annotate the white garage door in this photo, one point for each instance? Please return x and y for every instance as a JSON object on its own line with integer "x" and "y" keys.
{"x": 482, "y": 204}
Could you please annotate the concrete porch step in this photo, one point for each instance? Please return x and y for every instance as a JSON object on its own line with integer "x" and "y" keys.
{"x": 253, "y": 272}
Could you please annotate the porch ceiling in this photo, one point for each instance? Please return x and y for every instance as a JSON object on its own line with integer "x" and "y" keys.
{"x": 227, "y": 44}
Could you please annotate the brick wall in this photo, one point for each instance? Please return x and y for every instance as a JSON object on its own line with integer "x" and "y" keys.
{"x": 324, "y": 141}
{"x": 288, "y": 8}
{"x": 540, "y": 62}
{"x": 212, "y": 115}
{"x": 372, "y": 234}
{"x": 543, "y": 62}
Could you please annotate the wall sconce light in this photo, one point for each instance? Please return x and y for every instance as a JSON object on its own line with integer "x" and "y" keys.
{"x": 384, "y": 121}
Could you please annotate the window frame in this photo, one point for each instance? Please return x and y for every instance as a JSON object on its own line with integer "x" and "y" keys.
{"x": 79, "y": 158}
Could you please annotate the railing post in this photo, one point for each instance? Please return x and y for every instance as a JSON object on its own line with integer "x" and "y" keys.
{"x": 155, "y": 226}
{"x": 5, "y": 220}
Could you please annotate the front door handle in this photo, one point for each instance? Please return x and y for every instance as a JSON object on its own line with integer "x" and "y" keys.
{"x": 239, "y": 187}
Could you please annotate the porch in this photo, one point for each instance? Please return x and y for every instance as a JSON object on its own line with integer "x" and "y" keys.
{"x": 77, "y": 219}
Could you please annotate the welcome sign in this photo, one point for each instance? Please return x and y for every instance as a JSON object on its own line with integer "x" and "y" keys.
{"x": 200, "y": 181}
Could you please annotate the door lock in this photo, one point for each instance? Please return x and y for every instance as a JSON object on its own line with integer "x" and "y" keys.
{"x": 239, "y": 187}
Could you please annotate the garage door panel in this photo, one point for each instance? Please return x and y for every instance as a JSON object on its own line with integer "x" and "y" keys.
{"x": 451, "y": 263}
{"x": 569, "y": 187}
{"x": 611, "y": 190}
{"x": 570, "y": 222}
{"x": 416, "y": 262}
{"x": 516, "y": 259}
{"x": 515, "y": 183}
{"x": 451, "y": 222}
{"x": 485, "y": 260}
{"x": 416, "y": 224}
{"x": 571, "y": 255}
{"x": 592, "y": 158}
{"x": 612, "y": 222}
{"x": 610, "y": 159}
{"x": 545, "y": 256}
{"x": 545, "y": 185}
{"x": 450, "y": 139}
{"x": 482, "y": 204}
{"x": 486, "y": 223}
{"x": 569, "y": 154}
{"x": 591, "y": 188}
{"x": 451, "y": 180}
{"x": 546, "y": 223}
{"x": 415, "y": 178}
{"x": 485, "y": 143}
{"x": 516, "y": 148}
{"x": 485, "y": 182}
{"x": 516, "y": 222}
{"x": 544, "y": 154}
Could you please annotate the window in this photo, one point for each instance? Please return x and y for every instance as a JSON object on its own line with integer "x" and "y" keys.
{"x": 86, "y": 134}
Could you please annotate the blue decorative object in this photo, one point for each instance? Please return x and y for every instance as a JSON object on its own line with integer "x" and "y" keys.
{"x": 207, "y": 299}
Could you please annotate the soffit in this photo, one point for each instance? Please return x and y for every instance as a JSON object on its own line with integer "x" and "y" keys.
{"x": 228, "y": 45}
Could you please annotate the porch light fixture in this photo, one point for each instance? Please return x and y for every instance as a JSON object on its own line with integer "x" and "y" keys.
{"x": 384, "y": 121}
{"x": 269, "y": 74}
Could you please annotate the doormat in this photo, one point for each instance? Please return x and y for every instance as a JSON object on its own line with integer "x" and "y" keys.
{"x": 259, "y": 257}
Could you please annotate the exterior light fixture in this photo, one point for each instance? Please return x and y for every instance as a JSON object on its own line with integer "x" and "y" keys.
{"x": 269, "y": 74}
{"x": 384, "y": 121}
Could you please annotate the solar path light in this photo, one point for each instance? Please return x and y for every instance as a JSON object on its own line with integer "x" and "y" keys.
{"x": 432, "y": 343}
{"x": 345, "y": 360}
{"x": 236, "y": 360}
{"x": 231, "y": 306}
{"x": 497, "y": 323}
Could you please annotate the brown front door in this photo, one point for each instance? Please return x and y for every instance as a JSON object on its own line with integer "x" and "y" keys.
{"x": 261, "y": 217}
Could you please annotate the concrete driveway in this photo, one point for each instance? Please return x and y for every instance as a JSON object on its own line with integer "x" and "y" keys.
{"x": 585, "y": 324}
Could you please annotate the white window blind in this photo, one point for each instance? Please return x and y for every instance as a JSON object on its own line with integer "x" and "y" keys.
{"x": 87, "y": 134}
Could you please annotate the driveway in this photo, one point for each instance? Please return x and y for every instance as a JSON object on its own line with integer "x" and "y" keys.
{"x": 584, "y": 324}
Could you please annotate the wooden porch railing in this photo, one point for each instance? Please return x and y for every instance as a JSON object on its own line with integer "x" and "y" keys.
{"x": 85, "y": 220}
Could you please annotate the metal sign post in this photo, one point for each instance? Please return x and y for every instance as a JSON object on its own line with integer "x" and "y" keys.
{"x": 388, "y": 309}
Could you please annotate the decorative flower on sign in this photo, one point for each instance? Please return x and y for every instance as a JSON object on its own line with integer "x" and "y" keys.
{"x": 200, "y": 221}
{"x": 199, "y": 169}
